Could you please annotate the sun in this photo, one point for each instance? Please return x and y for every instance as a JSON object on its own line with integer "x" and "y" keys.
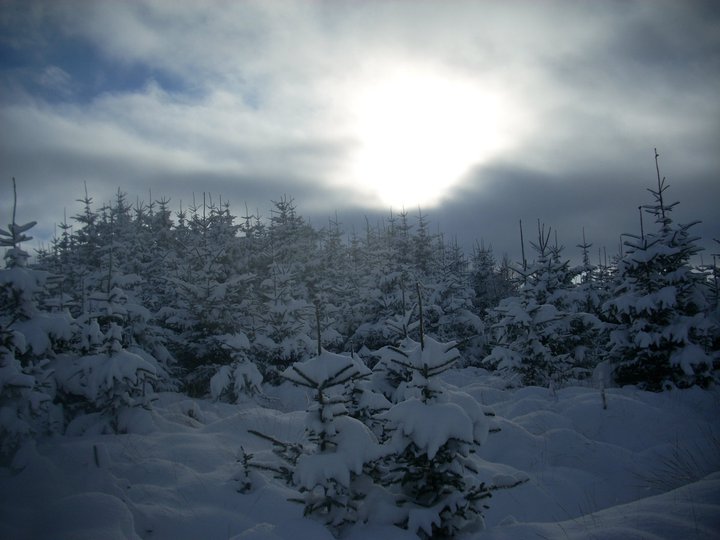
{"x": 418, "y": 132}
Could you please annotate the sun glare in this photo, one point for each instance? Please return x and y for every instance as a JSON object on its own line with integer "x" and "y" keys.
{"x": 418, "y": 133}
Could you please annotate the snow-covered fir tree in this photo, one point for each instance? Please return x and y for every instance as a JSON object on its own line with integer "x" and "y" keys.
{"x": 330, "y": 469}
{"x": 542, "y": 335}
{"x": 209, "y": 294}
{"x": 241, "y": 379}
{"x": 662, "y": 337}
{"x": 29, "y": 339}
{"x": 431, "y": 469}
{"x": 283, "y": 304}
{"x": 384, "y": 284}
{"x": 112, "y": 370}
{"x": 449, "y": 312}
{"x": 491, "y": 282}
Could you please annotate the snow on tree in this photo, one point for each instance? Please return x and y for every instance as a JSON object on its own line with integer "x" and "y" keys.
{"x": 29, "y": 339}
{"x": 208, "y": 294}
{"x": 662, "y": 336}
{"x": 542, "y": 335}
{"x": 491, "y": 283}
{"x": 388, "y": 376}
{"x": 104, "y": 390}
{"x": 282, "y": 333}
{"x": 118, "y": 359}
{"x": 240, "y": 380}
{"x": 110, "y": 375}
{"x": 383, "y": 295}
{"x": 283, "y": 303}
{"x": 449, "y": 312}
{"x": 365, "y": 403}
{"x": 334, "y": 289}
{"x": 329, "y": 470}
{"x": 431, "y": 470}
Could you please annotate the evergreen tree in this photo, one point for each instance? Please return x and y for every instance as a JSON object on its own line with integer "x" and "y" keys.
{"x": 430, "y": 469}
{"x": 209, "y": 294}
{"x": 542, "y": 335}
{"x": 330, "y": 471}
{"x": 449, "y": 312}
{"x": 335, "y": 290}
{"x": 286, "y": 287}
{"x": 490, "y": 284}
{"x": 29, "y": 339}
{"x": 240, "y": 380}
{"x": 662, "y": 337}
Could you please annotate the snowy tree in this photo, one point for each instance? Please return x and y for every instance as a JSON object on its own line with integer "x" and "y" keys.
{"x": 239, "y": 380}
{"x": 334, "y": 290}
{"x": 431, "y": 470}
{"x": 209, "y": 293}
{"x": 114, "y": 369}
{"x": 491, "y": 283}
{"x": 591, "y": 290}
{"x": 542, "y": 335}
{"x": 285, "y": 289}
{"x": 662, "y": 337}
{"x": 449, "y": 312}
{"x": 29, "y": 339}
{"x": 103, "y": 390}
{"x": 282, "y": 332}
{"x": 383, "y": 286}
{"x": 329, "y": 471}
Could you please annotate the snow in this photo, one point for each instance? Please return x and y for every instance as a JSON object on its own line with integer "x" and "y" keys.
{"x": 687, "y": 512}
{"x": 38, "y": 331}
{"x": 690, "y": 356}
{"x": 644, "y": 467}
{"x": 325, "y": 370}
{"x": 243, "y": 378}
{"x": 88, "y": 516}
{"x": 430, "y": 425}
{"x": 95, "y": 375}
{"x": 355, "y": 446}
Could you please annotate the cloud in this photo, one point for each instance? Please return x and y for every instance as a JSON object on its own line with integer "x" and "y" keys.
{"x": 255, "y": 99}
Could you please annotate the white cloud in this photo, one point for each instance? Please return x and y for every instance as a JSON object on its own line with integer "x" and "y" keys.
{"x": 269, "y": 89}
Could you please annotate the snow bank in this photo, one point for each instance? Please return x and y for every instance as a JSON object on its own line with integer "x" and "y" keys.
{"x": 87, "y": 516}
{"x": 593, "y": 472}
{"x": 689, "y": 512}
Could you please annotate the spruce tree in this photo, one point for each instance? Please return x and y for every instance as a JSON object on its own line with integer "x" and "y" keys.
{"x": 661, "y": 337}
{"x": 432, "y": 432}
{"x": 542, "y": 335}
{"x": 209, "y": 293}
{"x": 330, "y": 470}
{"x": 29, "y": 339}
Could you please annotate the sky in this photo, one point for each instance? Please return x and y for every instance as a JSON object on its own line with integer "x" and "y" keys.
{"x": 477, "y": 114}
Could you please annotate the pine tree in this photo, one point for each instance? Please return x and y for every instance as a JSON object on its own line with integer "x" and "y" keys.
{"x": 430, "y": 469}
{"x": 209, "y": 293}
{"x": 115, "y": 366}
{"x": 449, "y": 312}
{"x": 240, "y": 380}
{"x": 489, "y": 284}
{"x": 29, "y": 340}
{"x": 662, "y": 337}
{"x": 542, "y": 335}
{"x": 330, "y": 469}
{"x": 334, "y": 290}
{"x": 284, "y": 292}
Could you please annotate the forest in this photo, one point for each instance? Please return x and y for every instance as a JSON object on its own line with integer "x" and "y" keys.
{"x": 133, "y": 300}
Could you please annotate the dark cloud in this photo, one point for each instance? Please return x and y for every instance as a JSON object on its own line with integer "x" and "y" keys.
{"x": 602, "y": 201}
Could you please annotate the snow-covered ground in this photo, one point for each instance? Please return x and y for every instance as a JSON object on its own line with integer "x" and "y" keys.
{"x": 646, "y": 466}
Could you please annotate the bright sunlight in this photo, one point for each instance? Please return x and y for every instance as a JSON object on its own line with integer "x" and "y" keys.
{"x": 419, "y": 132}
